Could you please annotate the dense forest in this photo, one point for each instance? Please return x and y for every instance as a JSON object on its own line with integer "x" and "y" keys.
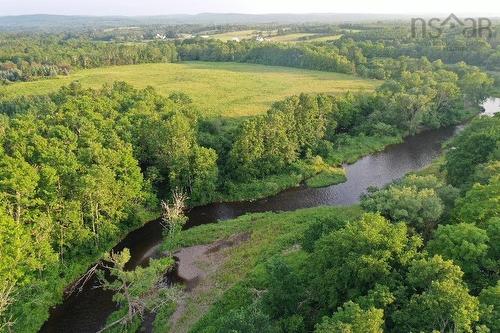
{"x": 80, "y": 168}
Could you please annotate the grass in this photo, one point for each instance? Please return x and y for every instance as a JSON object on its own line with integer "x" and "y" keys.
{"x": 290, "y": 37}
{"x": 228, "y": 89}
{"x": 272, "y": 36}
{"x": 272, "y": 234}
{"x": 328, "y": 177}
{"x": 243, "y": 34}
{"x": 304, "y": 37}
{"x": 264, "y": 187}
{"x": 325, "y": 38}
{"x": 352, "y": 148}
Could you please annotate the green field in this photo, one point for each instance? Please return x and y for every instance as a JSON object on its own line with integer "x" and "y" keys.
{"x": 242, "y": 34}
{"x": 325, "y": 38}
{"x": 291, "y": 37}
{"x": 229, "y": 89}
{"x": 304, "y": 37}
{"x": 272, "y": 36}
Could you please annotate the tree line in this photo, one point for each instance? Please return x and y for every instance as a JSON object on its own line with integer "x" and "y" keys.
{"x": 371, "y": 53}
{"x": 30, "y": 57}
{"x": 451, "y": 47}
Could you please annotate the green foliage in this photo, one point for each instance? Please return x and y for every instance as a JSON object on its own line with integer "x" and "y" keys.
{"x": 56, "y": 55}
{"x": 284, "y": 290}
{"x": 352, "y": 319}
{"x": 72, "y": 180}
{"x": 468, "y": 246}
{"x": 162, "y": 318}
{"x": 490, "y": 307}
{"x": 20, "y": 255}
{"x": 414, "y": 200}
{"x": 318, "y": 229}
{"x": 476, "y": 86}
{"x": 245, "y": 274}
{"x": 326, "y": 178}
{"x": 276, "y": 54}
{"x": 439, "y": 299}
{"x": 349, "y": 149}
{"x": 485, "y": 172}
{"x": 493, "y": 232}
{"x": 480, "y": 203}
{"x": 474, "y": 146}
{"x": 269, "y": 144}
{"x": 205, "y": 175}
{"x": 261, "y": 187}
{"x": 135, "y": 291}
{"x": 347, "y": 263}
{"x": 78, "y": 165}
{"x": 246, "y": 320}
{"x": 370, "y": 266}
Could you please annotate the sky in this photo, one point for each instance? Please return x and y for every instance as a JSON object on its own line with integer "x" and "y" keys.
{"x": 487, "y": 8}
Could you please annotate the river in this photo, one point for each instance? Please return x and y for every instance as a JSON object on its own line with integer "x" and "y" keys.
{"x": 87, "y": 310}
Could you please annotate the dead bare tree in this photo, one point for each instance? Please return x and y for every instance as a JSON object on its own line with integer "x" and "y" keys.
{"x": 82, "y": 281}
{"x": 173, "y": 217}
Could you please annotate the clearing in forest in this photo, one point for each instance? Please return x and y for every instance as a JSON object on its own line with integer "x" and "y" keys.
{"x": 217, "y": 88}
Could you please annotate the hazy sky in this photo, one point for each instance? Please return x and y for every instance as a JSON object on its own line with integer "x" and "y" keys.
{"x": 159, "y": 7}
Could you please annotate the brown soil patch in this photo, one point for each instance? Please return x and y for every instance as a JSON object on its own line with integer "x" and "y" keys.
{"x": 196, "y": 265}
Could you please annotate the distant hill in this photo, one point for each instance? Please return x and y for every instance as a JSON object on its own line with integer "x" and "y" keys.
{"x": 53, "y": 21}
{"x": 42, "y": 21}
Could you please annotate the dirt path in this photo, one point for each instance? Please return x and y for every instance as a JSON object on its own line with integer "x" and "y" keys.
{"x": 197, "y": 266}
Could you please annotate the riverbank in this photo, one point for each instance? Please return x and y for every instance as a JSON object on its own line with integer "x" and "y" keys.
{"x": 347, "y": 153}
{"x": 266, "y": 235}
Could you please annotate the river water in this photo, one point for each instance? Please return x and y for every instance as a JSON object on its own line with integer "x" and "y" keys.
{"x": 87, "y": 310}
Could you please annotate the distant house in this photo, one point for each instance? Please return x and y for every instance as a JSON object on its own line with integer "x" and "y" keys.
{"x": 158, "y": 36}
{"x": 235, "y": 39}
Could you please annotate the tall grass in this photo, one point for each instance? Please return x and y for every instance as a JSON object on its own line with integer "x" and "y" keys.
{"x": 229, "y": 89}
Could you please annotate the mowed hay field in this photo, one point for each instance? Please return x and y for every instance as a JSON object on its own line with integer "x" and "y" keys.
{"x": 228, "y": 89}
{"x": 289, "y": 38}
{"x": 242, "y": 34}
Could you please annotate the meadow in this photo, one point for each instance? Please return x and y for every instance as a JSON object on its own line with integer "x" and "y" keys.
{"x": 228, "y": 89}
{"x": 273, "y": 36}
{"x": 304, "y": 37}
{"x": 241, "y": 34}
